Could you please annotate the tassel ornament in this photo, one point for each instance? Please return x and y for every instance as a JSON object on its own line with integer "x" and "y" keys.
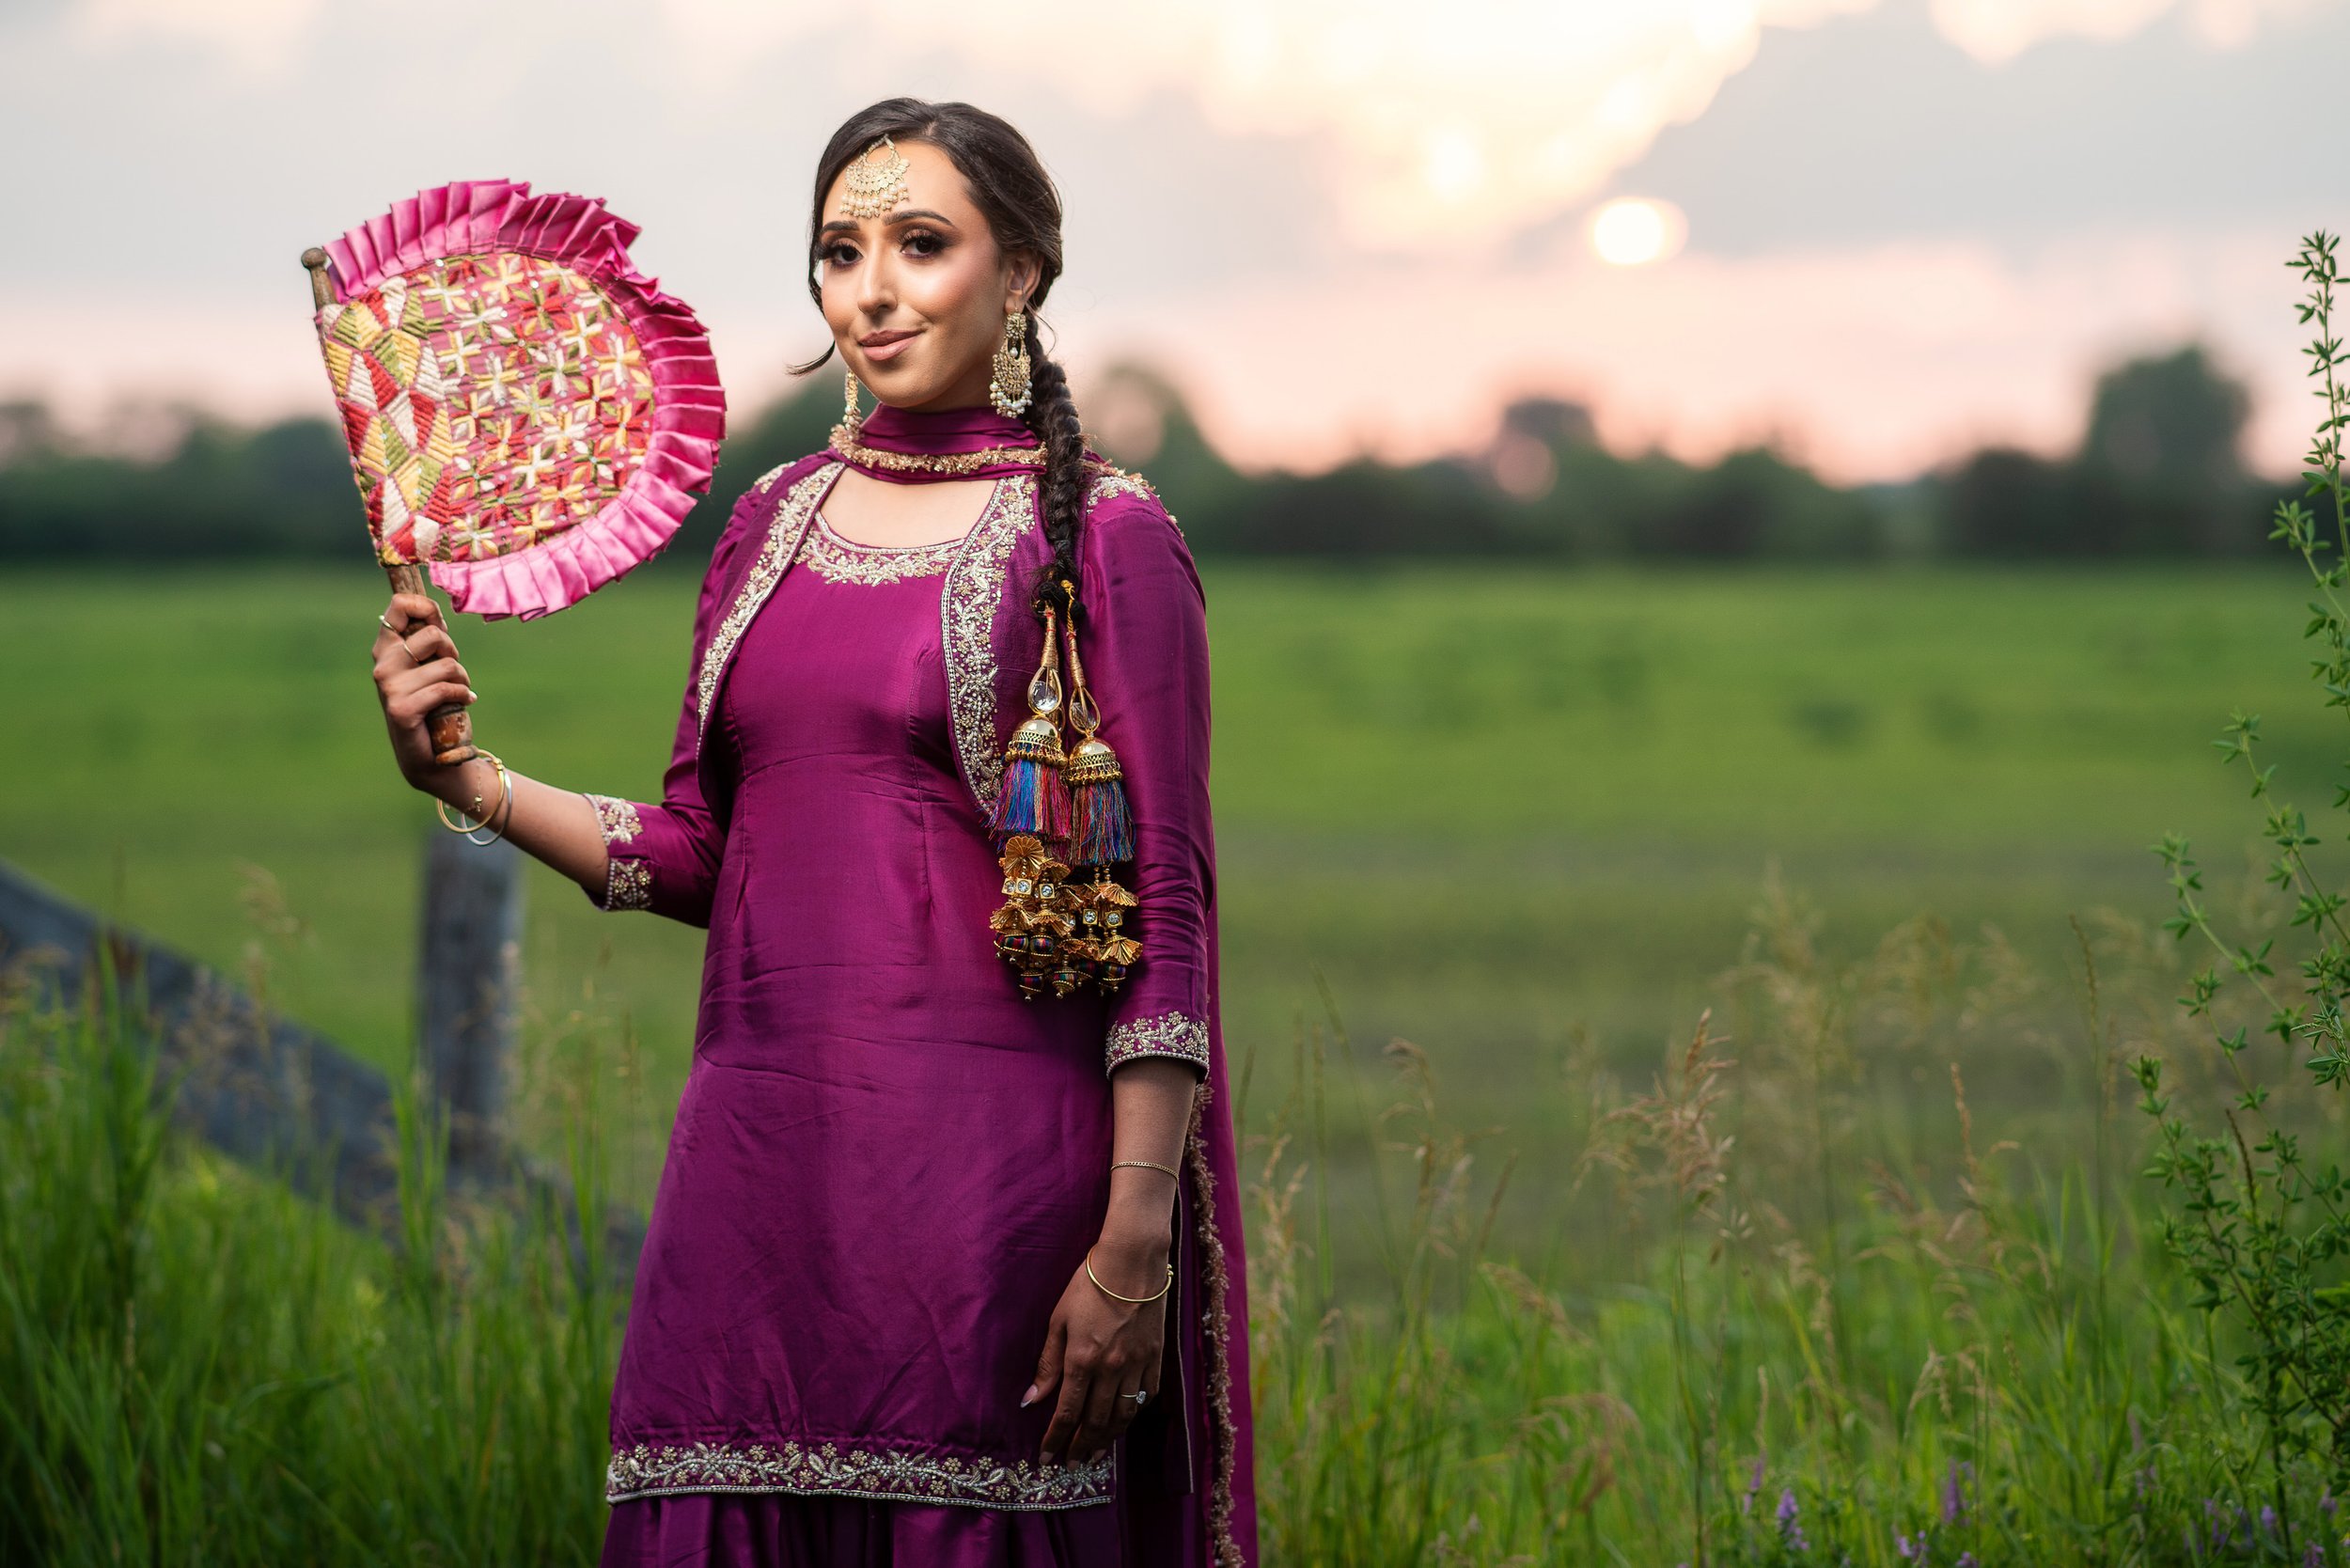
{"x": 1101, "y": 823}
{"x": 1033, "y": 799}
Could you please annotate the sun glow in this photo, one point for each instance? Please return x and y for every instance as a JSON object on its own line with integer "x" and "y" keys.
{"x": 1632, "y": 231}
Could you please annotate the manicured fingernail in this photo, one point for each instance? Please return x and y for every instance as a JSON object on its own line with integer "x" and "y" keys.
{"x": 1029, "y": 1397}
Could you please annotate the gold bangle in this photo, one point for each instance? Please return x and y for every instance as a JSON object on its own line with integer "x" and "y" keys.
{"x": 1146, "y": 1165}
{"x": 503, "y": 813}
{"x": 1130, "y": 1300}
{"x": 440, "y": 810}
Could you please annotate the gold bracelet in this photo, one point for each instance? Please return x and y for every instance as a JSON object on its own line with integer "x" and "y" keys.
{"x": 1130, "y": 1300}
{"x": 504, "y": 811}
{"x": 440, "y": 810}
{"x": 1146, "y": 1165}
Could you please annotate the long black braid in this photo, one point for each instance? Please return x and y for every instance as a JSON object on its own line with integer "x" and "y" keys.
{"x": 1011, "y": 186}
{"x": 1052, "y": 415}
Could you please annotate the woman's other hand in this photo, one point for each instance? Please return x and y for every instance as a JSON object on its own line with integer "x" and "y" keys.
{"x": 1100, "y": 1352}
{"x": 415, "y": 671}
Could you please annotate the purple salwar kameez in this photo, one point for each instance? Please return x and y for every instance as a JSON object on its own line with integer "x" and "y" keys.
{"x": 885, "y": 1164}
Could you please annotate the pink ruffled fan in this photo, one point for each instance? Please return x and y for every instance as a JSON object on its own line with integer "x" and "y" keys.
{"x": 528, "y": 416}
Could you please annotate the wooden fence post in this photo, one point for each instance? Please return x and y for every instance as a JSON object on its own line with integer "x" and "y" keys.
{"x": 468, "y": 975}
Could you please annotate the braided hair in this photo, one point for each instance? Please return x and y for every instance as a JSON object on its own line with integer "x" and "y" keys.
{"x": 1009, "y": 184}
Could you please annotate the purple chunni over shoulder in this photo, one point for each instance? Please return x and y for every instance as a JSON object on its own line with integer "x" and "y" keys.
{"x": 885, "y": 1164}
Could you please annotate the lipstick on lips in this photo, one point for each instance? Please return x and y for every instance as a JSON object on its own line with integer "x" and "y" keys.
{"x": 881, "y": 346}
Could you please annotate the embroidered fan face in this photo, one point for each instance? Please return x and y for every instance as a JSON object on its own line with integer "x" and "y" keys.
{"x": 529, "y": 417}
{"x": 491, "y": 401}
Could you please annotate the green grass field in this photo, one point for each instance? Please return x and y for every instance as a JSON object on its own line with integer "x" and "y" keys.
{"x": 1489, "y": 805}
{"x": 1823, "y": 1305}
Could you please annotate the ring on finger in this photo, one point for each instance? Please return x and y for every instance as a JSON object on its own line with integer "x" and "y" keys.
{"x": 410, "y": 652}
{"x": 1140, "y": 1396}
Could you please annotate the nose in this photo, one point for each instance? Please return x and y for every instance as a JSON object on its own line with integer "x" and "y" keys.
{"x": 876, "y": 290}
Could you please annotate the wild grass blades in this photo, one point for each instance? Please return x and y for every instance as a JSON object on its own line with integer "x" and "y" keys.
{"x": 2260, "y": 1225}
{"x": 196, "y": 1366}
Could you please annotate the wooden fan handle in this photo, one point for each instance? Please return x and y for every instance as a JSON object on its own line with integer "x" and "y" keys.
{"x": 451, "y": 726}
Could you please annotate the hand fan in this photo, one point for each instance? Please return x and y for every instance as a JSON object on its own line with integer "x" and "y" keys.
{"x": 528, "y": 416}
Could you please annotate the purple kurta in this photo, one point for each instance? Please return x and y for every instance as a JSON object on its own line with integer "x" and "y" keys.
{"x": 885, "y": 1164}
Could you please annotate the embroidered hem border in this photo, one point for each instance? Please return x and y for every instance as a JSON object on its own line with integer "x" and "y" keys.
{"x": 1170, "y": 1034}
{"x": 627, "y": 884}
{"x": 845, "y": 1470}
{"x": 617, "y": 820}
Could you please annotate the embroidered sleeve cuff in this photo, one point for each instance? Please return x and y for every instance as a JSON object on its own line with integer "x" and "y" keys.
{"x": 1170, "y": 1034}
{"x": 628, "y": 881}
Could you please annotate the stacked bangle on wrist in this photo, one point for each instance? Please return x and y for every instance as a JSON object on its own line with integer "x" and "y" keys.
{"x": 1146, "y": 1165}
{"x": 503, "y": 811}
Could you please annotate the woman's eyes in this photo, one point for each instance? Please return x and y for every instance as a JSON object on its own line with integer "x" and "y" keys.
{"x": 919, "y": 241}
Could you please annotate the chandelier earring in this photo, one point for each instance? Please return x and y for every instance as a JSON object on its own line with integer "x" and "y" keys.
{"x": 1009, "y": 387}
{"x": 851, "y": 416}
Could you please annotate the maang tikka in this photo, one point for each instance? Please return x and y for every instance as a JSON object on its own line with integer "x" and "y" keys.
{"x": 874, "y": 187}
{"x": 1058, "y": 933}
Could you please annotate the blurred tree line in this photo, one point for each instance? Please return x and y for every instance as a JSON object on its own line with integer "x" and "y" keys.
{"x": 2159, "y": 472}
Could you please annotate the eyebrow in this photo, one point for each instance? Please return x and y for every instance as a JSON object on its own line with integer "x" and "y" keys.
{"x": 906, "y": 216}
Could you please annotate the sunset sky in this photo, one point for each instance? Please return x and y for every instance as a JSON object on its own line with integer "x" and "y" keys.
{"x": 1876, "y": 231}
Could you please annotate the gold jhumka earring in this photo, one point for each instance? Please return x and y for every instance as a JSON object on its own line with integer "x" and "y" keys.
{"x": 874, "y": 187}
{"x": 1008, "y": 389}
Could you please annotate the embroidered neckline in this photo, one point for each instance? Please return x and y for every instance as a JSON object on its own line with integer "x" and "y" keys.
{"x": 967, "y": 607}
{"x": 776, "y": 552}
{"x": 837, "y": 559}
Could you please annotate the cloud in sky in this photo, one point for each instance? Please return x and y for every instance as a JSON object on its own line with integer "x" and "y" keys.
{"x": 1439, "y": 123}
{"x": 1343, "y": 223}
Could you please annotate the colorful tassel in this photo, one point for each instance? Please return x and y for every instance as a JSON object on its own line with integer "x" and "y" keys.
{"x": 1101, "y": 825}
{"x": 1034, "y": 797}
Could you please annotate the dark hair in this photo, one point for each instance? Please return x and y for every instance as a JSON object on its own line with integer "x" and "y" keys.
{"x": 1022, "y": 206}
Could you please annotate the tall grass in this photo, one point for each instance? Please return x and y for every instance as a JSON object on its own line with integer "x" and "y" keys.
{"x": 1795, "y": 1307}
{"x": 196, "y": 1366}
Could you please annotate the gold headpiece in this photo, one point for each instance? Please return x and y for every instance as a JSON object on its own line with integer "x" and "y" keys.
{"x": 874, "y": 188}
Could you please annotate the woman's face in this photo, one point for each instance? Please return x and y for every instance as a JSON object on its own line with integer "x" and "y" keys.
{"x": 917, "y": 297}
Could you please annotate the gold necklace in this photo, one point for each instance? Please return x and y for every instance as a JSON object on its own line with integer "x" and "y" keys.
{"x": 845, "y": 442}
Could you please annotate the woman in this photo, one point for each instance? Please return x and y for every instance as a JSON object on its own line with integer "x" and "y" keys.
{"x": 938, "y": 1272}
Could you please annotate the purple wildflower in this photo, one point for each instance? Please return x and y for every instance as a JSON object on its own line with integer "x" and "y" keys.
{"x": 2313, "y": 1557}
{"x": 1754, "y": 1484}
{"x": 2269, "y": 1520}
{"x": 1790, "y": 1524}
{"x": 2326, "y": 1502}
{"x": 1908, "y": 1551}
{"x": 1954, "y": 1482}
{"x": 1967, "y": 1560}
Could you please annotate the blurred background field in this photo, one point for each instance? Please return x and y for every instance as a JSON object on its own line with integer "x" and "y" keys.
{"x": 1508, "y": 814}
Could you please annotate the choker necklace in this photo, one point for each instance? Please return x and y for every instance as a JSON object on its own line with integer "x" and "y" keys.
{"x": 845, "y": 442}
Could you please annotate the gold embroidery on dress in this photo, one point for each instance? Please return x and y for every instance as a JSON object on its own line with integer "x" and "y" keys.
{"x": 628, "y": 884}
{"x": 776, "y": 552}
{"x": 845, "y": 561}
{"x": 616, "y": 819}
{"x": 1170, "y": 1034}
{"x": 1217, "y": 1325}
{"x": 966, "y": 613}
{"x": 848, "y": 1470}
{"x": 1108, "y": 481}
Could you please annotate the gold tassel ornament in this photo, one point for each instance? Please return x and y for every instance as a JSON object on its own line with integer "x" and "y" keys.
{"x": 1061, "y": 934}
